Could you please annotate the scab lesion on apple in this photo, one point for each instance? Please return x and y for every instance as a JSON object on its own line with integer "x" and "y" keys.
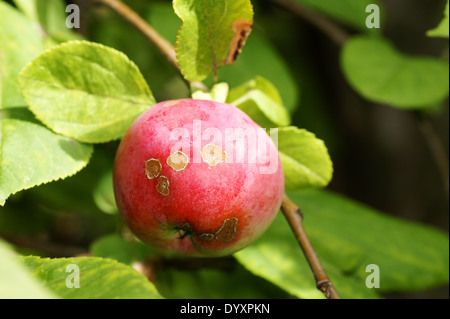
{"x": 152, "y": 168}
{"x": 213, "y": 154}
{"x": 206, "y": 236}
{"x": 178, "y": 161}
{"x": 227, "y": 230}
{"x": 163, "y": 186}
{"x": 225, "y": 233}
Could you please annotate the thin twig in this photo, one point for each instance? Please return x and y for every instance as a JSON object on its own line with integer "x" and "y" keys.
{"x": 328, "y": 27}
{"x": 164, "y": 46}
{"x": 295, "y": 219}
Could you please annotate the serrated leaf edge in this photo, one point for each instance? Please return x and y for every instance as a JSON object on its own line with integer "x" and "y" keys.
{"x": 93, "y": 44}
{"x": 45, "y": 181}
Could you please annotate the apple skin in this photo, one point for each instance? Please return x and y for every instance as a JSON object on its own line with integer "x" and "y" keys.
{"x": 210, "y": 207}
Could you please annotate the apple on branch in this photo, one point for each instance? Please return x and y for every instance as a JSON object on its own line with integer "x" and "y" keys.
{"x": 197, "y": 177}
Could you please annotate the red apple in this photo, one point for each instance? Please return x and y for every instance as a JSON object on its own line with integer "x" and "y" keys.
{"x": 197, "y": 177}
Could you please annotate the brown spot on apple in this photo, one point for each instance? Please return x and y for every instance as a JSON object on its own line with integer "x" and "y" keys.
{"x": 178, "y": 161}
{"x": 206, "y": 236}
{"x": 163, "y": 186}
{"x": 227, "y": 230}
{"x": 152, "y": 168}
{"x": 213, "y": 154}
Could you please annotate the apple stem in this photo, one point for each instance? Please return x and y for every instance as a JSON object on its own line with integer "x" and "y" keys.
{"x": 295, "y": 218}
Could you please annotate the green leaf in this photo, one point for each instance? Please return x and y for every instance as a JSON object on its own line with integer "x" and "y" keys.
{"x": 261, "y": 101}
{"x": 442, "y": 29}
{"x": 218, "y": 93}
{"x": 214, "y": 283}
{"x": 31, "y": 154}
{"x": 277, "y": 257}
{"x": 260, "y": 52}
{"x": 104, "y": 194}
{"x": 74, "y": 195}
{"x": 305, "y": 159}
{"x": 350, "y": 235}
{"x": 257, "y": 51}
{"x": 205, "y": 38}
{"x": 16, "y": 281}
{"x": 380, "y": 73}
{"x": 99, "y": 278}
{"x": 20, "y": 42}
{"x": 116, "y": 247}
{"x": 85, "y": 91}
{"x": 349, "y": 12}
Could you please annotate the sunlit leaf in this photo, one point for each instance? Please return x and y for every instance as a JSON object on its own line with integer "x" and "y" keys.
{"x": 261, "y": 101}
{"x": 98, "y": 278}
{"x": 218, "y": 93}
{"x": 31, "y": 154}
{"x": 305, "y": 159}
{"x": 442, "y": 29}
{"x": 85, "y": 91}
{"x": 210, "y": 34}
{"x": 20, "y": 42}
{"x": 16, "y": 281}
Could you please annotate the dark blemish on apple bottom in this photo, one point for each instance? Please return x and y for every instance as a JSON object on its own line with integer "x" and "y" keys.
{"x": 184, "y": 230}
{"x": 152, "y": 168}
{"x": 163, "y": 186}
{"x": 228, "y": 229}
{"x": 206, "y": 236}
